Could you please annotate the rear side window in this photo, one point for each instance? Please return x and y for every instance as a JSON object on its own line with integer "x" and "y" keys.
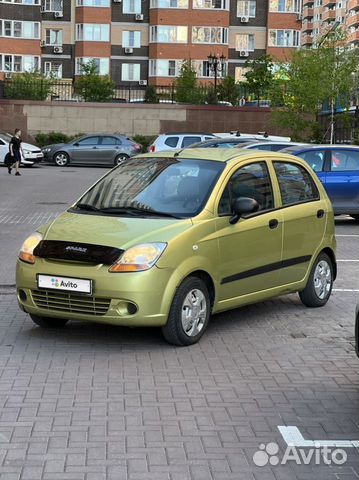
{"x": 110, "y": 141}
{"x": 208, "y": 138}
{"x": 344, "y": 160}
{"x": 295, "y": 183}
{"x": 314, "y": 158}
{"x": 171, "y": 142}
{"x": 187, "y": 141}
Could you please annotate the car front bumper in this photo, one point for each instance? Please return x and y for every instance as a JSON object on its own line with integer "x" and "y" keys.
{"x": 32, "y": 158}
{"x": 150, "y": 293}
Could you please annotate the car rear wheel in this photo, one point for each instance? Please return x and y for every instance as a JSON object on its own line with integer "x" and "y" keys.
{"x": 189, "y": 313}
{"x": 121, "y": 159}
{"x": 61, "y": 159}
{"x": 320, "y": 283}
{"x": 48, "y": 322}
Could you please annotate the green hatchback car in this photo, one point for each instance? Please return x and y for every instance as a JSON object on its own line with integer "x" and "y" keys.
{"x": 167, "y": 239}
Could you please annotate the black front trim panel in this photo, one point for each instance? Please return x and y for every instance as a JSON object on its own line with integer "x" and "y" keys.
{"x": 266, "y": 269}
{"x": 78, "y": 252}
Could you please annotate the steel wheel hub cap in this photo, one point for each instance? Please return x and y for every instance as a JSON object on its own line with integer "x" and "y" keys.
{"x": 194, "y": 312}
{"x": 322, "y": 279}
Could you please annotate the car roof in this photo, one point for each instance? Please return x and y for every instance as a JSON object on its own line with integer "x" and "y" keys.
{"x": 299, "y": 148}
{"x": 215, "y": 154}
{"x": 192, "y": 134}
{"x": 239, "y": 140}
{"x": 275, "y": 142}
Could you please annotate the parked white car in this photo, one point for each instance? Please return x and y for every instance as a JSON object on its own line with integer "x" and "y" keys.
{"x": 173, "y": 141}
{"x": 32, "y": 154}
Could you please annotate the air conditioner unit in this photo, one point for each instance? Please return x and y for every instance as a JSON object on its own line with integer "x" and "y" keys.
{"x": 142, "y": 82}
{"x": 299, "y": 17}
{"x": 244, "y": 53}
{"x": 128, "y": 50}
{"x": 139, "y": 17}
{"x": 42, "y": 43}
{"x": 244, "y": 19}
{"x": 58, "y": 50}
{"x": 58, "y": 14}
{"x": 8, "y": 74}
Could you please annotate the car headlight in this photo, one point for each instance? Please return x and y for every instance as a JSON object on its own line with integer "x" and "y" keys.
{"x": 46, "y": 150}
{"x": 26, "y": 253}
{"x": 138, "y": 258}
{"x": 27, "y": 152}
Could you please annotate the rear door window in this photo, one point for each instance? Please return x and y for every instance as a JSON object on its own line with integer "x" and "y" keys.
{"x": 295, "y": 184}
{"x": 314, "y": 158}
{"x": 187, "y": 141}
{"x": 343, "y": 160}
{"x": 110, "y": 141}
{"x": 171, "y": 142}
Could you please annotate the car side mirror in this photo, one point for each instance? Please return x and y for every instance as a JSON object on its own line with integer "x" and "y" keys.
{"x": 76, "y": 144}
{"x": 243, "y": 206}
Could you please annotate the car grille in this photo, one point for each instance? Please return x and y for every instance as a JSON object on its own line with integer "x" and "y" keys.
{"x": 68, "y": 302}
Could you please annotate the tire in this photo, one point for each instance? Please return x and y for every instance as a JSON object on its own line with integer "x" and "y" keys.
{"x": 48, "y": 322}
{"x": 320, "y": 283}
{"x": 121, "y": 159}
{"x": 61, "y": 159}
{"x": 179, "y": 330}
{"x": 356, "y": 218}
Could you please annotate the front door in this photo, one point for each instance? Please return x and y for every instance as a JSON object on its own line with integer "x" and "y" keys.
{"x": 250, "y": 250}
{"x": 86, "y": 150}
{"x": 305, "y": 217}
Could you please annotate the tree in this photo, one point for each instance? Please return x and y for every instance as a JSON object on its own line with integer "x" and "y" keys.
{"x": 28, "y": 86}
{"x": 259, "y": 75}
{"x": 229, "y": 90}
{"x": 150, "y": 95}
{"x": 186, "y": 84}
{"x": 313, "y": 78}
{"x": 92, "y": 86}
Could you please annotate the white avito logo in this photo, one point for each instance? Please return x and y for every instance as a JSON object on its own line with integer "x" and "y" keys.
{"x": 268, "y": 455}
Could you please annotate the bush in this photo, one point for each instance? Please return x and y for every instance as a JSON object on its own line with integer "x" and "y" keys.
{"x": 186, "y": 86}
{"x": 150, "y": 95}
{"x": 43, "y": 139}
{"x": 28, "y": 86}
{"x": 93, "y": 87}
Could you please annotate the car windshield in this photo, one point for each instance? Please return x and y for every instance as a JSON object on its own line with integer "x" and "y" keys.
{"x": 170, "y": 187}
{"x": 6, "y": 137}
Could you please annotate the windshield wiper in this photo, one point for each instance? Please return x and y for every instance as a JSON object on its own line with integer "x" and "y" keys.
{"x": 87, "y": 206}
{"x": 136, "y": 211}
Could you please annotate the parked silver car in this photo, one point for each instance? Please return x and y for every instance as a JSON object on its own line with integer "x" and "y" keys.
{"x": 92, "y": 150}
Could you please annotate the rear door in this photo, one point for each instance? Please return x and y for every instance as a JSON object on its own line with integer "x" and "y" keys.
{"x": 342, "y": 180}
{"x": 190, "y": 140}
{"x": 108, "y": 149}
{"x": 86, "y": 150}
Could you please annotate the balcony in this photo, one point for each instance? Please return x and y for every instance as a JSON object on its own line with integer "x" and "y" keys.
{"x": 353, "y": 21}
{"x": 329, "y": 3}
{"x": 308, "y": 3}
{"x": 328, "y": 16}
{"x": 308, "y": 12}
{"x": 307, "y": 26}
{"x": 307, "y": 40}
{"x": 353, "y": 37}
{"x": 353, "y": 5}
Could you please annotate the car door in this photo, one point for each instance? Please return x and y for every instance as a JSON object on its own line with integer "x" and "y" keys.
{"x": 4, "y": 148}
{"x": 342, "y": 180}
{"x": 187, "y": 141}
{"x": 250, "y": 250}
{"x": 317, "y": 160}
{"x": 86, "y": 150}
{"x": 304, "y": 217}
{"x": 108, "y": 149}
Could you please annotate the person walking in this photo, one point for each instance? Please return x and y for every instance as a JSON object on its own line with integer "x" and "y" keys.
{"x": 15, "y": 149}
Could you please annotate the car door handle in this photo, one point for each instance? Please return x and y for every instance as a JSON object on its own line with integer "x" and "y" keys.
{"x": 273, "y": 223}
{"x": 320, "y": 213}
{"x": 94, "y": 148}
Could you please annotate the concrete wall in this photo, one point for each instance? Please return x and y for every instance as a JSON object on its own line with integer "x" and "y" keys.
{"x": 71, "y": 118}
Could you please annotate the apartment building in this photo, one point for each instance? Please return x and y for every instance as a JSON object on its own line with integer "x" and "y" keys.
{"x": 140, "y": 41}
{"x": 319, "y": 16}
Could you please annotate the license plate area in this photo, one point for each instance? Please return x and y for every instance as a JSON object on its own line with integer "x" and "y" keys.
{"x": 82, "y": 286}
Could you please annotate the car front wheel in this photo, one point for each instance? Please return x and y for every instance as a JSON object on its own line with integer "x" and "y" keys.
{"x": 189, "y": 313}
{"x": 48, "y": 322}
{"x": 61, "y": 159}
{"x": 320, "y": 283}
{"x": 121, "y": 158}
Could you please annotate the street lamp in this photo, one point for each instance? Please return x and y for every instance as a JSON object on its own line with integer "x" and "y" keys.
{"x": 216, "y": 65}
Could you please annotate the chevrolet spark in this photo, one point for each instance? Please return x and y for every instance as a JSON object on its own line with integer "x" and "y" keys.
{"x": 167, "y": 239}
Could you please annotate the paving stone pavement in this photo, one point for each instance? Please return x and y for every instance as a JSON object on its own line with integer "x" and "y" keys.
{"x": 95, "y": 402}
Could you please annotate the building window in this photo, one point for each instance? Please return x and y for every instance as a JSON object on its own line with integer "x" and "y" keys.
{"x": 131, "y": 6}
{"x": 131, "y": 39}
{"x": 245, "y": 42}
{"x": 210, "y": 35}
{"x": 22, "y": 2}
{"x": 102, "y": 64}
{"x": 19, "y": 63}
{"x": 164, "y": 68}
{"x": 166, "y": 34}
{"x": 285, "y": 6}
{"x": 246, "y": 8}
{"x": 169, "y": 4}
{"x": 53, "y": 69}
{"x": 203, "y": 70}
{"x": 284, "y": 38}
{"x": 53, "y": 5}
{"x": 16, "y": 29}
{"x": 239, "y": 74}
{"x": 92, "y": 3}
{"x": 53, "y": 37}
{"x": 93, "y": 32}
{"x": 130, "y": 72}
{"x": 211, "y": 4}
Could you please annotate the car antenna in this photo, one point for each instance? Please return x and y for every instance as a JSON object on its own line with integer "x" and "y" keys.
{"x": 178, "y": 152}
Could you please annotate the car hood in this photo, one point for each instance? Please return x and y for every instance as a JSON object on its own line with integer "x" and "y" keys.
{"x": 119, "y": 232}
{"x": 55, "y": 145}
{"x": 28, "y": 146}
